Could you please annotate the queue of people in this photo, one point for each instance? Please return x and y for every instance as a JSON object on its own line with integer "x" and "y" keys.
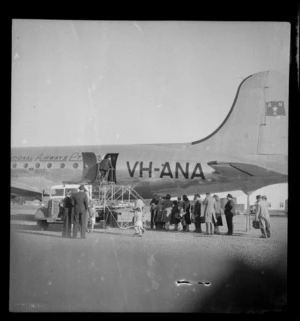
{"x": 79, "y": 212}
{"x": 165, "y": 213}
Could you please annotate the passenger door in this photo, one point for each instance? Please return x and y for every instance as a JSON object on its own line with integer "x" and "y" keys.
{"x": 90, "y": 167}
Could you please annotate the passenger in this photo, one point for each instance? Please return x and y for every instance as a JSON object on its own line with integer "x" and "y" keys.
{"x": 166, "y": 215}
{"x": 158, "y": 219}
{"x": 209, "y": 213}
{"x": 67, "y": 217}
{"x": 229, "y": 213}
{"x": 153, "y": 210}
{"x": 262, "y": 215}
{"x": 186, "y": 218}
{"x": 138, "y": 217}
{"x": 175, "y": 215}
{"x": 219, "y": 221}
{"x": 80, "y": 204}
{"x": 179, "y": 202}
{"x": 197, "y": 213}
{"x": 92, "y": 217}
{"x": 106, "y": 168}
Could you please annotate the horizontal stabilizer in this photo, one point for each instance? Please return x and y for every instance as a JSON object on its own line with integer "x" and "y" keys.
{"x": 240, "y": 170}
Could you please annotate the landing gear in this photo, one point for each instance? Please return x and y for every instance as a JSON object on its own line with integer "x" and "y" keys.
{"x": 43, "y": 225}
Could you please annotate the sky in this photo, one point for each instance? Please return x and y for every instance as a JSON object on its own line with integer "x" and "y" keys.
{"x": 132, "y": 82}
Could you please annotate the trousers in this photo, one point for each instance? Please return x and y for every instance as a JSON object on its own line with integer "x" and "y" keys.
{"x": 153, "y": 214}
{"x": 198, "y": 224}
{"x": 229, "y": 217}
{"x": 265, "y": 226}
{"x": 66, "y": 232}
{"x": 79, "y": 222}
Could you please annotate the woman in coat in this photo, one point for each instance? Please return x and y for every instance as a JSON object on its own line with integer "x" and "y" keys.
{"x": 186, "y": 218}
{"x": 209, "y": 213}
{"x": 219, "y": 221}
{"x": 166, "y": 215}
{"x": 175, "y": 215}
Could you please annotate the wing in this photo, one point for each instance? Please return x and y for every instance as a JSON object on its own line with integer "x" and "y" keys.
{"x": 24, "y": 190}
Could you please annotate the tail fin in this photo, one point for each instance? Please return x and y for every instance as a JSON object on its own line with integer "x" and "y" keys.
{"x": 257, "y": 121}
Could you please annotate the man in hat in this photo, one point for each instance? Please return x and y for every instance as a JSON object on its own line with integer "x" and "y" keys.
{"x": 106, "y": 169}
{"x": 262, "y": 215}
{"x": 80, "y": 204}
{"x": 153, "y": 210}
{"x": 197, "y": 213}
{"x": 229, "y": 213}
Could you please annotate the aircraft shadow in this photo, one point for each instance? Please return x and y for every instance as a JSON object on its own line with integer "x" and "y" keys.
{"x": 108, "y": 232}
{"x": 24, "y": 217}
{"x": 24, "y": 227}
{"x": 41, "y": 233}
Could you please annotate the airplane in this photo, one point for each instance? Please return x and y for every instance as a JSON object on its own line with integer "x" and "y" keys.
{"x": 246, "y": 152}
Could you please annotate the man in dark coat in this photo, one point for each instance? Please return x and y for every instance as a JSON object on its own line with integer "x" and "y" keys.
{"x": 153, "y": 210}
{"x": 68, "y": 217}
{"x": 80, "y": 204}
{"x": 197, "y": 213}
{"x": 106, "y": 168}
{"x": 229, "y": 213}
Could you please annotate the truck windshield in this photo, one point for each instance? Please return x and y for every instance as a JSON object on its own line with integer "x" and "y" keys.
{"x": 57, "y": 192}
{"x": 71, "y": 189}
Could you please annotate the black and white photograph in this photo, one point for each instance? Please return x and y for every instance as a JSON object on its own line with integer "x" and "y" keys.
{"x": 149, "y": 166}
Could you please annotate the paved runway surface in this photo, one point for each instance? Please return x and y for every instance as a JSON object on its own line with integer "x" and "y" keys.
{"x": 114, "y": 271}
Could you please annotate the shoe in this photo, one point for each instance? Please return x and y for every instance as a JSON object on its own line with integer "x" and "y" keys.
{"x": 143, "y": 231}
{"x": 262, "y": 237}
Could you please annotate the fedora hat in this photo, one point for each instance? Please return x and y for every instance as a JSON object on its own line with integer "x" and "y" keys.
{"x": 81, "y": 187}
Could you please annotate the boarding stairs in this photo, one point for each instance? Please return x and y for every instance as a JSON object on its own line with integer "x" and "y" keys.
{"x": 115, "y": 201}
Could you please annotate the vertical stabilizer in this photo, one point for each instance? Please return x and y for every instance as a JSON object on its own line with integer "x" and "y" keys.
{"x": 257, "y": 121}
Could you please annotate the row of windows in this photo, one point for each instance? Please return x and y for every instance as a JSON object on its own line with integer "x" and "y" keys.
{"x": 49, "y": 165}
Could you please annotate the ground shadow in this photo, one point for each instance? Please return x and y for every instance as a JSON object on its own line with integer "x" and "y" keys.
{"x": 246, "y": 290}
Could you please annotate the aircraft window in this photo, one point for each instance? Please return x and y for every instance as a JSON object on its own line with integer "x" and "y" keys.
{"x": 62, "y": 165}
{"x": 75, "y": 165}
{"x": 49, "y": 165}
{"x": 37, "y": 165}
{"x": 25, "y": 165}
{"x": 14, "y": 165}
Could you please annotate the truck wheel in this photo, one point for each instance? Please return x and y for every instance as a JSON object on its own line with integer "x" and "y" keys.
{"x": 43, "y": 225}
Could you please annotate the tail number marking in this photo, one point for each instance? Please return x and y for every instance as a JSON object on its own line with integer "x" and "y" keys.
{"x": 146, "y": 170}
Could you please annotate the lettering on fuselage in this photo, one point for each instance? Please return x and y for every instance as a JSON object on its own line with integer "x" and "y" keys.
{"x": 75, "y": 157}
{"x": 166, "y": 170}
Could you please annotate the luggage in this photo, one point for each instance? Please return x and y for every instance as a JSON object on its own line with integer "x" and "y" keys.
{"x": 255, "y": 224}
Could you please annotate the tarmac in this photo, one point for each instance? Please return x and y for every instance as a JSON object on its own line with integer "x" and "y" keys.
{"x": 114, "y": 271}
